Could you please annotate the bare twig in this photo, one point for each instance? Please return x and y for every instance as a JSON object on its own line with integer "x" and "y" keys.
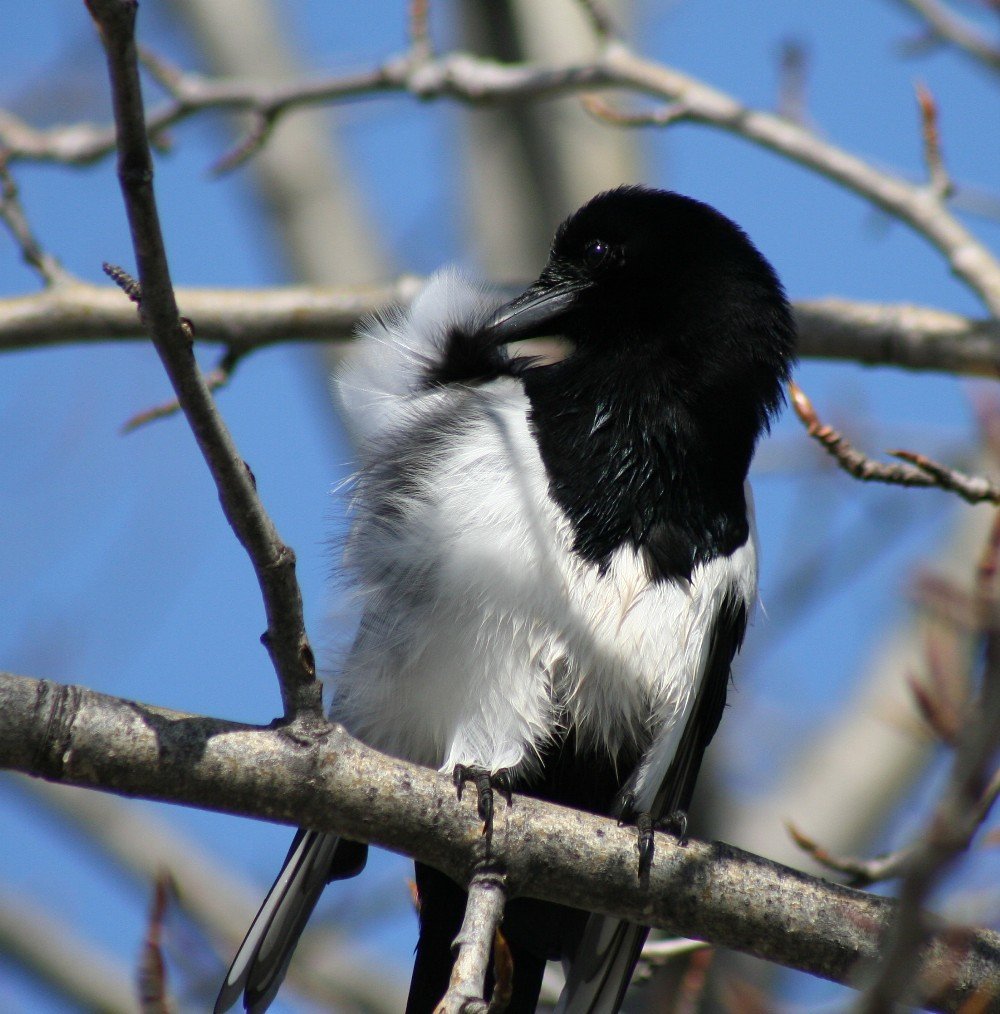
{"x": 474, "y": 944}
{"x": 924, "y": 472}
{"x": 600, "y": 18}
{"x": 153, "y": 997}
{"x": 945, "y": 24}
{"x": 273, "y": 561}
{"x": 971, "y": 488}
{"x": 215, "y": 380}
{"x": 12, "y": 215}
{"x": 420, "y": 29}
{"x": 920, "y": 208}
{"x": 607, "y": 113}
{"x": 322, "y": 778}
{"x": 943, "y": 698}
{"x": 129, "y": 285}
{"x": 792, "y": 103}
{"x": 989, "y": 564}
{"x": 940, "y": 181}
{"x": 262, "y": 127}
{"x": 241, "y": 319}
{"x": 860, "y": 872}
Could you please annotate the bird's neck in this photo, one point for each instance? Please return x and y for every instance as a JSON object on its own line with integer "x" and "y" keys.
{"x": 633, "y": 463}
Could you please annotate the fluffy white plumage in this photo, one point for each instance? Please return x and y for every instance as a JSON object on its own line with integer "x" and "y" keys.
{"x": 483, "y": 633}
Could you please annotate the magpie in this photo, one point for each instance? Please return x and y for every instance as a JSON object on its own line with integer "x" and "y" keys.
{"x": 553, "y": 543}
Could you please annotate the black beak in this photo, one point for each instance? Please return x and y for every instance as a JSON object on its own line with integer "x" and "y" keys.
{"x": 537, "y": 311}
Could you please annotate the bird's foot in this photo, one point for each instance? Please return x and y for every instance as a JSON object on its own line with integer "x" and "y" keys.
{"x": 646, "y": 827}
{"x": 485, "y": 781}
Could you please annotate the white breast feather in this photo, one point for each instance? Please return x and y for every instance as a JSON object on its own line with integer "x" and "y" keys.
{"x": 473, "y": 602}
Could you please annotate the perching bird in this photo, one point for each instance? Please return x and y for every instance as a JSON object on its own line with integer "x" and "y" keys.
{"x": 554, "y": 546}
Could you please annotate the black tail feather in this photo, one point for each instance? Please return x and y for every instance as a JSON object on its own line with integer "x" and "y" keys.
{"x": 261, "y": 962}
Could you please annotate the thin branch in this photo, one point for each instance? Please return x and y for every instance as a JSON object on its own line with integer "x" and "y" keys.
{"x": 973, "y": 489}
{"x": 153, "y": 996}
{"x": 317, "y": 776}
{"x": 860, "y": 872}
{"x": 964, "y": 805}
{"x": 945, "y": 24}
{"x": 921, "y": 470}
{"x": 468, "y": 79}
{"x": 663, "y": 116}
{"x": 474, "y": 944}
{"x": 917, "y": 206}
{"x": 215, "y": 380}
{"x": 940, "y": 181}
{"x": 937, "y": 698}
{"x": 273, "y": 561}
{"x": 600, "y": 19}
{"x": 13, "y": 217}
{"x": 420, "y": 29}
{"x": 876, "y": 334}
{"x": 793, "y": 68}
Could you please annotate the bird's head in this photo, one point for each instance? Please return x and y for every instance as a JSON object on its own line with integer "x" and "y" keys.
{"x": 647, "y": 280}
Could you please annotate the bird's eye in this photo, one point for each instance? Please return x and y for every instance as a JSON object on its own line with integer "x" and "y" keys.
{"x": 596, "y": 252}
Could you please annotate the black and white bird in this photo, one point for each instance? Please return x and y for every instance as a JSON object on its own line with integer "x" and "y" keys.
{"x": 554, "y": 545}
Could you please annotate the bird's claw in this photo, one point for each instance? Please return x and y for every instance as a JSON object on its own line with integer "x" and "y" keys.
{"x": 485, "y": 782}
{"x": 646, "y": 827}
{"x": 675, "y": 823}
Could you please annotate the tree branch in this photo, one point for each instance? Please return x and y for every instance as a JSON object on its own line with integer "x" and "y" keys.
{"x": 876, "y": 334}
{"x": 945, "y": 24}
{"x": 918, "y": 470}
{"x": 318, "y": 776}
{"x": 12, "y": 215}
{"x": 474, "y": 944}
{"x": 273, "y": 561}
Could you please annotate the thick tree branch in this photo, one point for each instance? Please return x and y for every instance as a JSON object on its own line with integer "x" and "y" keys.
{"x": 273, "y": 561}
{"x": 319, "y": 776}
{"x": 876, "y": 334}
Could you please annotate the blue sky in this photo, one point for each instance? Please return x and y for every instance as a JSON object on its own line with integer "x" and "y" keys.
{"x": 119, "y": 571}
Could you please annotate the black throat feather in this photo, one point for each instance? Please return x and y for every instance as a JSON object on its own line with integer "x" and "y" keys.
{"x": 632, "y": 462}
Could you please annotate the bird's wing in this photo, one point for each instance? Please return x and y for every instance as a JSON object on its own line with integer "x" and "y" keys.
{"x": 262, "y": 960}
{"x": 603, "y": 964}
{"x": 388, "y": 366}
